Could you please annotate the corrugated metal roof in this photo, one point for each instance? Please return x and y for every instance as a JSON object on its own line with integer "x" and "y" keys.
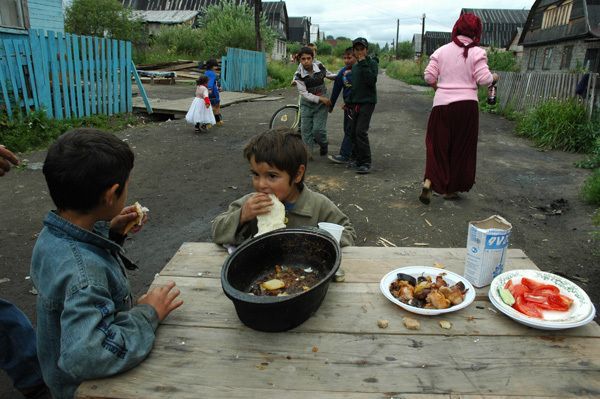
{"x": 297, "y": 22}
{"x": 165, "y": 5}
{"x": 165, "y": 17}
{"x": 498, "y": 15}
{"x": 274, "y": 7}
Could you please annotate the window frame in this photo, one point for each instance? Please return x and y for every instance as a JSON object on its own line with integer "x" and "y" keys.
{"x": 547, "y": 58}
{"x": 23, "y": 10}
{"x": 532, "y": 59}
{"x": 566, "y": 57}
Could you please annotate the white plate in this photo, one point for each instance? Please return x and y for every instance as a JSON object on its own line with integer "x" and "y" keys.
{"x": 416, "y": 271}
{"x": 582, "y": 310}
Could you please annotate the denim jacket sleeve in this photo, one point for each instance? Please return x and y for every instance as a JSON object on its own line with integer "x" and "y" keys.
{"x": 98, "y": 340}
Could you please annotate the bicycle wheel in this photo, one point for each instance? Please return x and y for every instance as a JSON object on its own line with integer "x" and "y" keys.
{"x": 286, "y": 116}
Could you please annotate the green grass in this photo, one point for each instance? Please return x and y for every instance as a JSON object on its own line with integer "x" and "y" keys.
{"x": 280, "y": 74}
{"x": 591, "y": 190}
{"x": 35, "y": 131}
{"x": 407, "y": 71}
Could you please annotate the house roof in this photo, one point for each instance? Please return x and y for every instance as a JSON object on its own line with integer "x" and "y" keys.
{"x": 498, "y": 15}
{"x": 165, "y": 17}
{"x": 275, "y": 11}
{"x": 584, "y": 22}
{"x": 274, "y": 7}
{"x": 298, "y": 22}
{"x": 165, "y": 5}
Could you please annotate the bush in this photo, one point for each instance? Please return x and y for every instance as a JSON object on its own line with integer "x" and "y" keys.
{"x": 406, "y": 71}
{"x": 103, "y": 18}
{"x": 502, "y": 61}
{"x": 231, "y": 25}
{"x": 324, "y": 48}
{"x": 593, "y": 160}
{"x": 341, "y": 46}
{"x": 559, "y": 125}
{"x": 30, "y": 132}
{"x": 182, "y": 41}
{"x": 280, "y": 73}
{"x": 591, "y": 190}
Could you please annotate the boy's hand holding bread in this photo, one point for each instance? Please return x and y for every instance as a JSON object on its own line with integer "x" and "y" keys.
{"x": 131, "y": 218}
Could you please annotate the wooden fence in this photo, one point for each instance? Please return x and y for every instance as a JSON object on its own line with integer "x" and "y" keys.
{"x": 521, "y": 91}
{"x": 68, "y": 76}
{"x": 243, "y": 69}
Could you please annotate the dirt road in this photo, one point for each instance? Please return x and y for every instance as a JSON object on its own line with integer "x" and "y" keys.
{"x": 186, "y": 179}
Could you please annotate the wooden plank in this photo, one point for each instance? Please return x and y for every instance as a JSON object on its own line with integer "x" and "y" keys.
{"x": 122, "y": 78}
{"x": 93, "y": 68}
{"x": 141, "y": 88}
{"x": 77, "y": 67}
{"x": 115, "y": 76}
{"x": 353, "y": 308}
{"x": 5, "y": 97}
{"x": 54, "y": 68}
{"x": 66, "y": 72}
{"x": 12, "y": 73}
{"x": 17, "y": 44}
{"x": 184, "y": 361}
{"x": 109, "y": 75}
{"x": 31, "y": 74}
{"x": 128, "y": 77}
{"x": 40, "y": 66}
{"x": 85, "y": 71}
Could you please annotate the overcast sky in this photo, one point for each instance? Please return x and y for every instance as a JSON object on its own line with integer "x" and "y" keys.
{"x": 376, "y": 19}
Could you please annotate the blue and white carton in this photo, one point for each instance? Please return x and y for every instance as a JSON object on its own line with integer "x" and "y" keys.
{"x": 487, "y": 243}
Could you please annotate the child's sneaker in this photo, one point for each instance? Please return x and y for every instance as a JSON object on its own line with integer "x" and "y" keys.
{"x": 338, "y": 159}
{"x": 323, "y": 149}
{"x": 208, "y": 126}
{"x": 219, "y": 123}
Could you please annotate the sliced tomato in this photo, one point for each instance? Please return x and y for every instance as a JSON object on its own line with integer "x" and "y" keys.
{"x": 527, "y": 308}
{"x": 532, "y": 297}
{"x": 508, "y": 284}
{"x": 536, "y": 285}
{"x": 560, "y": 302}
{"x": 518, "y": 290}
{"x": 547, "y": 290}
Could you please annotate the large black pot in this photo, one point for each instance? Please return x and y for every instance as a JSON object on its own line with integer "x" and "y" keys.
{"x": 304, "y": 247}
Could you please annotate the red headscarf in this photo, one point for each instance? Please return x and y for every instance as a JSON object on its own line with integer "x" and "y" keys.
{"x": 467, "y": 25}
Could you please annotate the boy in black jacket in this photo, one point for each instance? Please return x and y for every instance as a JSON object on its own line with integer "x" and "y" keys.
{"x": 363, "y": 98}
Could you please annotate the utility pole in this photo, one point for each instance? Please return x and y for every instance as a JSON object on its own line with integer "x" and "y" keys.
{"x": 422, "y": 43}
{"x": 257, "y": 9}
{"x": 397, "y": 33}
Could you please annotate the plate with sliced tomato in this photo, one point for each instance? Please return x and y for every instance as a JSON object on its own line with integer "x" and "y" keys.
{"x": 541, "y": 300}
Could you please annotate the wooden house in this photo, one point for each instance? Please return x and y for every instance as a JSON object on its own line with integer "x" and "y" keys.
{"x": 169, "y": 5}
{"x": 275, "y": 12}
{"x": 434, "y": 40}
{"x": 155, "y": 19}
{"x": 499, "y": 25}
{"x": 18, "y": 16}
{"x": 561, "y": 36}
{"x": 416, "y": 44}
{"x": 299, "y": 30}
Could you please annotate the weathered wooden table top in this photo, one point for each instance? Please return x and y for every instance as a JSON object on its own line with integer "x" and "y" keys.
{"x": 202, "y": 350}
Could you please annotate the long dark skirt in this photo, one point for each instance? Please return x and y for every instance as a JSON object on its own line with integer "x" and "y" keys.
{"x": 451, "y": 143}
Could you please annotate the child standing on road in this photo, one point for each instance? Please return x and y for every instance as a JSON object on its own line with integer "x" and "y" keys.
{"x": 310, "y": 81}
{"x": 87, "y": 321}
{"x": 363, "y": 98}
{"x": 200, "y": 113}
{"x": 278, "y": 161}
{"x": 343, "y": 83}
{"x": 214, "y": 89}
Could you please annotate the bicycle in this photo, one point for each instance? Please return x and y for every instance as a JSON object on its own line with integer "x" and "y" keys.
{"x": 287, "y": 116}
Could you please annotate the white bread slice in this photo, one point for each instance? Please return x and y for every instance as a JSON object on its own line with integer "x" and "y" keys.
{"x": 141, "y": 211}
{"x": 272, "y": 220}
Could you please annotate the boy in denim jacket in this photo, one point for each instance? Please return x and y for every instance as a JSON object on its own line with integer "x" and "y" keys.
{"x": 88, "y": 324}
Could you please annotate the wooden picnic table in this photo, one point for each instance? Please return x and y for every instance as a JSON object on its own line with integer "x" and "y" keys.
{"x": 202, "y": 350}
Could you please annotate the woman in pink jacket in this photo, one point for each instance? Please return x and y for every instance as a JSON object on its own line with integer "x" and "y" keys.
{"x": 454, "y": 71}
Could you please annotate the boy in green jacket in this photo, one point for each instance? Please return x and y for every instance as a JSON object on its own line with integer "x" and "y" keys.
{"x": 363, "y": 98}
{"x": 278, "y": 161}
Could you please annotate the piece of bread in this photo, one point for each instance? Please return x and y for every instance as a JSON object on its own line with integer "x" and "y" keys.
{"x": 141, "y": 211}
{"x": 274, "y": 219}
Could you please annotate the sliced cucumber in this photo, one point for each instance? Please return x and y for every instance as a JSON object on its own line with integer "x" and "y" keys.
{"x": 506, "y": 296}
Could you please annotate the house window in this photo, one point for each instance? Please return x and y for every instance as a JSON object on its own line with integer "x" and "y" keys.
{"x": 547, "y": 58}
{"x": 11, "y": 14}
{"x": 532, "y": 59}
{"x": 565, "y": 61}
{"x": 557, "y": 15}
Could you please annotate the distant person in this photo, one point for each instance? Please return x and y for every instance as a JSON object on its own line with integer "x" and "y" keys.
{"x": 582, "y": 85}
{"x": 278, "y": 162}
{"x": 89, "y": 326}
{"x": 214, "y": 89}
{"x": 18, "y": 352}
{"x": 343, "y": 84}
{"x": 200, "y": 113}
{"x": 363, "y": 98}
{"x": 314, "y": 105}
{"x": 454, "y": 71}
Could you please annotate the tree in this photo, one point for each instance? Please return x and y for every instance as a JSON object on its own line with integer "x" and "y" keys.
{"x": 103, "y": 18}
{"x": 405, "y": 50}
{"x": 228, "y": 24}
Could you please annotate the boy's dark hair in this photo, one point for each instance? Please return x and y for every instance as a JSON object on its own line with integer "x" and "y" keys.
{"x": 202, "y": 80}
{"x": 82, "y": 164}
{"x": 349, "y": 51}
{"x": 282, "y": 148}
{"x": 305, "y": 50}
{"x": 210, "y": 64}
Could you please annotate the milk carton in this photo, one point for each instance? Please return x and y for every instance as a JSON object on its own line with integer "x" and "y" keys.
{"x": 486, "y": 249}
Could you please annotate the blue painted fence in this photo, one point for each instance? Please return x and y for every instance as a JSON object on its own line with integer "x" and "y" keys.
{"x": 68, "y": 76}
{"x": 243, "y": 69}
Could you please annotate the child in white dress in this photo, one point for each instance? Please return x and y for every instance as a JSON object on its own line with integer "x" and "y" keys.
{"x": 200, "y": 113}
